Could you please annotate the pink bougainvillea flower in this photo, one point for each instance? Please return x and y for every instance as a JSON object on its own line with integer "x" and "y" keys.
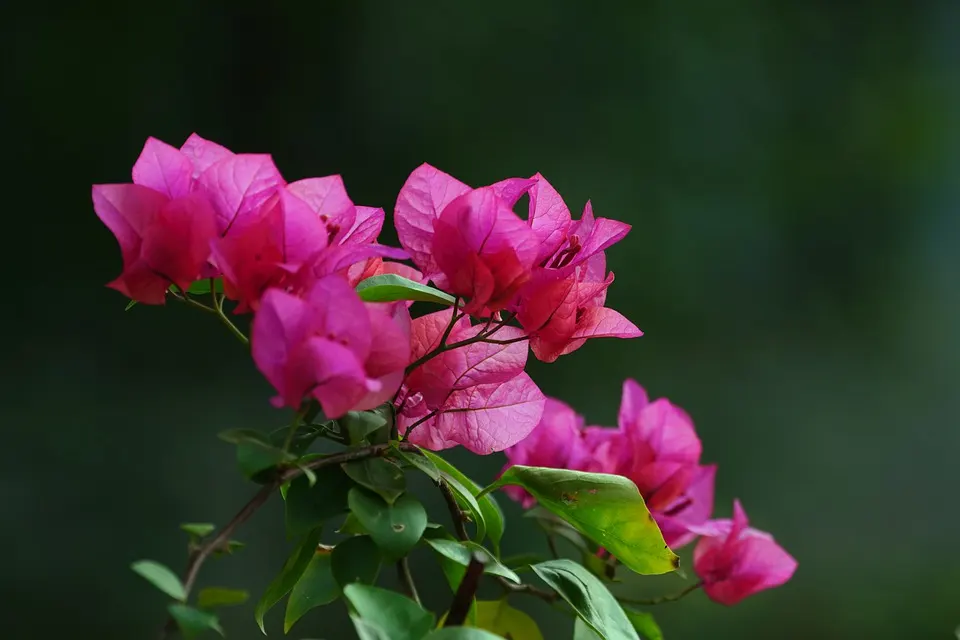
{"x": 475, "y": 395}
{"x": 345, "y": 222}
{"x": 469, "y": 241}
{"x": 735, "y": 561}
{"x": 561, "y": 309}
{"x": 563, "y": 303}
{"x": 484, "y": 250}
{"x": 330, "y": 345}
{"x": 238, "y": 185}
{"x": 263, "y": 247}
{"x": 164, "y": 230}
{"x": 556, "y": 442}
{"x": 662, "y": 451}
{"x": 691, "y": 509}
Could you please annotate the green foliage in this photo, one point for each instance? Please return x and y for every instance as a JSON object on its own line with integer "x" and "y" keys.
{"x": 390, "y": 287}
{"x": 379, "y": 475}
{"x": 363, "y": 426}
{"x": 198, "y": 529}
{"x": 644, "y": 623}
{"x": 594, "y": 604}
{"x": 463, "y": 633}
{"x": 500, "y": 618}
{"x": 391, "y": 614}
{"x": 292, "y": 569}
{"x": 485, "y": 511}
{"x": 315, "y": 588}
{"x": 461, "y": 553}
{"x": 356, "y": 559}
{"x": 606, "y": 508}
{"x": 161, "y": 577}
{"x": 395, "y": 528}
{"x": 219, "y": 597}
{"x": 309, "y": 507}
{"x": 193, "y": 622}
{"x": 256, "y": 452}
{"x": 201, "y": 287}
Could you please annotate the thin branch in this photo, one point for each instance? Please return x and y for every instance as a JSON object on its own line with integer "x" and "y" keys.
{"x": 463, "y": 598}
{"x": 455, "y": 512}
{"x": 222, "y": 539}
{"x": 409, "y": 430}
{"x": 482, "y": 336}
{"x": 661, "y": 599}
{"x": 219, "y": 541}
{"x": 529, "y": 589}
{"x": 406, "y": 579}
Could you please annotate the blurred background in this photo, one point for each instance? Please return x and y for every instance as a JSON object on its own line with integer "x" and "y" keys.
{"x": 790, "y": 172}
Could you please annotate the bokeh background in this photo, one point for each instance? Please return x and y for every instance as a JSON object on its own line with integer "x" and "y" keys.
{"x": 790, "y": 171}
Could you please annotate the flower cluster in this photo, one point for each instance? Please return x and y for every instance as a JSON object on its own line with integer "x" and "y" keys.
{"x": 656, "y": 446}
{"x": 292, "y": 253}
{"x": 331, "y": 329}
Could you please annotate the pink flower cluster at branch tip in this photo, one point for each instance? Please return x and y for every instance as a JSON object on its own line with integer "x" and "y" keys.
{"x": 293, "y": 253}
{"x": 548, "y": 269}
{"x": 655, "y": 445}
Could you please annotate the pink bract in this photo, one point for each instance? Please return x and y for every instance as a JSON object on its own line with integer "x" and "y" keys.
{"x": 735, "y": 561}
{"x": 330, "y": 345}
{"x": 478, "y": 394}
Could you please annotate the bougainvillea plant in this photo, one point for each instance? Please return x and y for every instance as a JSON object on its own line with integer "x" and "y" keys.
{"x": 331, "y": 329}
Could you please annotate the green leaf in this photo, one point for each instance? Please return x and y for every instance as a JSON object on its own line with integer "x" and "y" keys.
{"x": 367, "y": 630}
{"x": 500, "y": 618}
{"x": 489, "y": 517}
{"x": 161, "y": 577}
{"x": 198, "y": 529}
{"x": 232, "y": 545}
{"x": 522, "y": 561}
{"x": 352, "y": 527}
{"x": 130, "y": 305}
{"x": 256, "y": 452}
{"x": 588, "y": 597}
{"x": 315, "y": 588}
{"x": 461, "y": 552}
{"x": 463, "y": 633}
{"x": 379, "y": 475}
{"x": 606, "y": 508}
{"x": 358, "y": 425}
{"x": 420, "y": 462}
{"x": 355, "y": 559}
{"x": 220, "y": 597}
{"x": 644, "y": 623}
{"x": 192, "y": 621}
{"x": 390, "y": 287}
{"x": 395, "y": 528}
{"x": 309, "y": 507}
{"x": 582, "y": 632}
{"x": 292, "y": 569}
{"x": 404, "y": 618}
{"x": 201, "y": 287}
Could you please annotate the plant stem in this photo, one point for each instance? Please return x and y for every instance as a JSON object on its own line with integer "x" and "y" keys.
{"x": 406, "y": 434}
{"x": 406, "y": 579}
{"x": 455, "y": 512}
{"x": 219, "y": 541}
{"x": 463, "y": 598}
{"x": 661, "y": 599}
{"x": 222, "y": 538}
{"x": 512, "y": 587}
{"x": 292, "y": 430}
{"x": 482, "y": 336}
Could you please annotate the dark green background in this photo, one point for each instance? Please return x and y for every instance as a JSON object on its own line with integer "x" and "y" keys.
{"x": 790, "y": 171}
